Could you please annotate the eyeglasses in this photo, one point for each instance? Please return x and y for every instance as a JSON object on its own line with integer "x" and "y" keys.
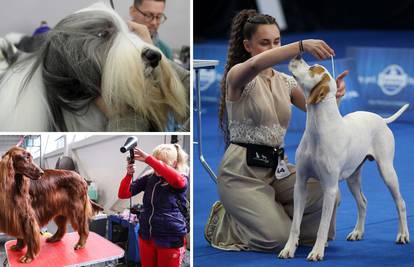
{"x": 148, "y": 17}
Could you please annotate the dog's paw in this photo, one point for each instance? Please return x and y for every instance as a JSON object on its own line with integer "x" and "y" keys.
{"x": 26, "y": 259}
{"x": 288, "y": 251}
{"x": 355, "y": 235}
{"x": 79, "y": 246}
{"x": 315, "y": 255}
{"x": 402, "y": 238}
{"x": 286, "y": 254}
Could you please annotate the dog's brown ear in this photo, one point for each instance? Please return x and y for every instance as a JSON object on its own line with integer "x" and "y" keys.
{"x": 320, "y": 91}
{"x": 6, "y": 167}
{"x": 314, "y": 70}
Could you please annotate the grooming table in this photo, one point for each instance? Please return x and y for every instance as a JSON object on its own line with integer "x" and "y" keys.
{"x": 199, "y": 64}
{"x": 97, "y": 250}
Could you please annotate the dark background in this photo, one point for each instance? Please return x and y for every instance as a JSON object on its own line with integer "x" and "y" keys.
{"x": 212, "y": 17}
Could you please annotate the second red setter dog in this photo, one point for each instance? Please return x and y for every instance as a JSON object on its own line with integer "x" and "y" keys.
{"x": 26, "y": 205}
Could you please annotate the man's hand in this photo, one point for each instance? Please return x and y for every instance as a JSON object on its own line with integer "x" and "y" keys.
{"x": 141, "y": 30}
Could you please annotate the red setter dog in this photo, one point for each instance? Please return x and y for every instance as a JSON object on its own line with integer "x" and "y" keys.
{"x": 26, "y": 205}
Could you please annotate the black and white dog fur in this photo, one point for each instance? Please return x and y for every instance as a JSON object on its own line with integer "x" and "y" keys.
{"x": 90, "y": 54}
{"x": 8, "y": 54}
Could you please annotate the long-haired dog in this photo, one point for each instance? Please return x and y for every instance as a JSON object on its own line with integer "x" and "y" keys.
{"x": 28, "y": 204}
{"x": 88, "y": 55}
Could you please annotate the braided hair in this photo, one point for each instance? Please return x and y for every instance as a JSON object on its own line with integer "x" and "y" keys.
{"x": 243, "y": 26}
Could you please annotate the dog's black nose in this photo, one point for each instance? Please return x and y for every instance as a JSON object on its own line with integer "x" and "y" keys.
{"x": 298, "y": 57}
{"x": 153, "y": 57}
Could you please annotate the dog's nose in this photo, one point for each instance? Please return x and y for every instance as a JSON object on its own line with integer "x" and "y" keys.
{"x": 298, "y": 57}
{"x": 41, "y": 172}
{"x": 153, "y": 57}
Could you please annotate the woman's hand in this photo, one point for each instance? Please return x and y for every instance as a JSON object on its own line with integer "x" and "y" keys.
{"x": 100, "y": 103}
{"x": 340, "y": 84}
{"x": 141, "y": 30}
{"x": 318, "y": 48}
{"x": 140, "y": 154}
{"x": 130, "y": 168}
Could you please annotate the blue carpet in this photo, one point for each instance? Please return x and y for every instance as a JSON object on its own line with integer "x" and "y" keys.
{"x": 376, "y": 249}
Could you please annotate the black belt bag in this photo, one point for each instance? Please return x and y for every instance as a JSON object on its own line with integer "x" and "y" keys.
{"x": 262, "y": 156}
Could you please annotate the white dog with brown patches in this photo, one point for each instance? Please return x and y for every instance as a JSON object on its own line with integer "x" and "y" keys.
{"x": 334, "y": 148}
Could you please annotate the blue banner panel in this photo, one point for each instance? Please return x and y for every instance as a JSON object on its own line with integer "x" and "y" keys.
{"x": 386, "y": 77}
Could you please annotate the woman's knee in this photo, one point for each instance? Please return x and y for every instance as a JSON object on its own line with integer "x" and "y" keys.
{"x": 273, "y": 230}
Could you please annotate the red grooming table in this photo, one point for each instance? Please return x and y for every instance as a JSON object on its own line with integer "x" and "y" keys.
{"x": 97, "y": 250}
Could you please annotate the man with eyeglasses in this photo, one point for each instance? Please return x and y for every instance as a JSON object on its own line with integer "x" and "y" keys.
{"x": 147, "y": 16}
{"x": 151, "y": 14}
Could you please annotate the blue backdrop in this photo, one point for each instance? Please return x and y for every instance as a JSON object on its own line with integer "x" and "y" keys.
{"x": 386, "y": 79}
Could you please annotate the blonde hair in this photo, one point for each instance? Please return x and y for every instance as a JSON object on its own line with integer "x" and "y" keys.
{"x": 151, "y": 97}
{"x": 170, "y": 154}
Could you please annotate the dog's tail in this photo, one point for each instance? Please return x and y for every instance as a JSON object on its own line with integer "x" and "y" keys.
{"x": 96, "y": 208}
{"x": 397, "y": 114}
{"x": 92, "y": 208}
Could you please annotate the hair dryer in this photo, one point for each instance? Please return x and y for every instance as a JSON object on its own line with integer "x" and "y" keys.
{"x": 130, "y": 144}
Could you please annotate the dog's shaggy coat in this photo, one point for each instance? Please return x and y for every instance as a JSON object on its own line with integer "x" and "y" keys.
{"x": 26, "y": 205}
{"x": 88, "y": 55}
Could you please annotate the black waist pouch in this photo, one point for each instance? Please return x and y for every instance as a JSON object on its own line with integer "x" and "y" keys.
{"x": 260, "y": 155}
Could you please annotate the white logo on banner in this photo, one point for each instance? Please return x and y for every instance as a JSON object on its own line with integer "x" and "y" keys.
{"x": 350, "y": 94}
{"x": 392, "y": 79}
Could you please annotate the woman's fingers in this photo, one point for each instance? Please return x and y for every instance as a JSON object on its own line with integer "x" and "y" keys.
{"x": 342, "y": 75}
{"x": 140, "y": 154}
{"x": 340, "y": 83}
{"x": 317, "y": 53}
{"x": 319, "y": 49}
{"x": 328, "y": 49}
{"x": 325, "y": 52}
{"x": 131, "y": 168}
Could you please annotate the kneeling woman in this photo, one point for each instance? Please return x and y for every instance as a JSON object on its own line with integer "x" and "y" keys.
{"x": 256, "y": 203}
{"x": 163, "y": 223}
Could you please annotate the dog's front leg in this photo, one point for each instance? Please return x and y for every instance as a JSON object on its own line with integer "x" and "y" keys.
{"x": 330, "y": 191}
{"x": 31, "y": 233}
{"x": 299, "y": 202}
